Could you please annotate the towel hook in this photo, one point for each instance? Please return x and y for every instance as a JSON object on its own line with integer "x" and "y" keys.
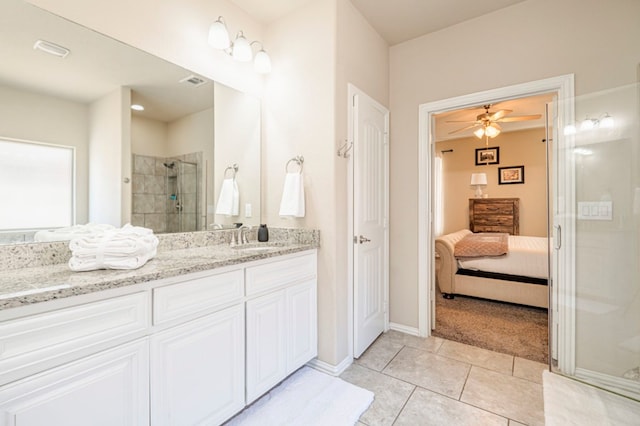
{"x": 343, "y": 151}
{"x": 299, "y": 160}
{"x": 234, "y": 170}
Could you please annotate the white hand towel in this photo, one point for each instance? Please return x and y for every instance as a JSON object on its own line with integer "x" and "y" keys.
{"x": 70, "y": 232}
{"x": 292, "y": 203}
{"x": 229, "y": 199}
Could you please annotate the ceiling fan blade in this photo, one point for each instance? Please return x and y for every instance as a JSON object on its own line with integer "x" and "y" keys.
{"x": 471, "y": 126}
{"x": 462, "y": 121}
{"x": 499, "y": 114}
{"x": 521, "y": 118}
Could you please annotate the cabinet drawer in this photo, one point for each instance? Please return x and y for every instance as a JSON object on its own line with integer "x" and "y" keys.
{"x": 494, "y": 220}
{"x": 196, "y": 295}
{"x": 40, "y": 341}
{"x": 280, "y": 273}
{"x": 495, "y": 208}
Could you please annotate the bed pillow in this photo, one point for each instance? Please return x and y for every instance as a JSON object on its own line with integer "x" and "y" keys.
{"x": 482, "y": 245}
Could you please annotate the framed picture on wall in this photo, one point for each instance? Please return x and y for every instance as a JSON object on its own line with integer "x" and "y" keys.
{"x": 512, "y": 174}
{"x": 487, "y": 156}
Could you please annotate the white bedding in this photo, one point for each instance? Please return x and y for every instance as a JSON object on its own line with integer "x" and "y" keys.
{"x": 527, "y": 257}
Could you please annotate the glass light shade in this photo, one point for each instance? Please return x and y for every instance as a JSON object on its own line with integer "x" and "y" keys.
{"x": 479, "y": 133}
{"x": 218, "y": 35}
{"x": 478, "y": 178}
{"x": 262, "y": 62}
{"x": 570, "y": 130}
{"x": 607, "y": 122}
{"x": 492, "y": 131}
{"x": 587, "y": 124}
{"x": 241, "y": 49}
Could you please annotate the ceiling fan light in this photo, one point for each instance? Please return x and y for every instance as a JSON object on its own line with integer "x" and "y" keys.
{"x": 218, "y": 35}
{"x": 479, "y": 133}
{"x": 241, "y": 49}
{"x": 492, "y": 131}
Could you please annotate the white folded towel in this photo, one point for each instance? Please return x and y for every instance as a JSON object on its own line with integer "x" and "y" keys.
{"x": 229, "y": 199}
{"x": 292, "y": 203}
{"x": 129, "y": 247}
{"x": 70, "y": 232}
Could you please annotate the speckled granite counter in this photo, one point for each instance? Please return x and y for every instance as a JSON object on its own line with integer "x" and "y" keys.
{"x": 24, "y": 286}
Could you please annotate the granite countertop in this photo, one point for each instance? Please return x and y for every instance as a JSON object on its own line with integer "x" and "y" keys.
{"x": 24, "y": 286}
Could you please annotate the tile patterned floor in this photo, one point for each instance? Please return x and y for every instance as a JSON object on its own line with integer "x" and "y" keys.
{"x": 432, "y": 381}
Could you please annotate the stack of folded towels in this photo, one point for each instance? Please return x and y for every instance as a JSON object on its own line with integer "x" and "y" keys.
{"x": 71, "y": 232}
{"x": 129, "y": 247}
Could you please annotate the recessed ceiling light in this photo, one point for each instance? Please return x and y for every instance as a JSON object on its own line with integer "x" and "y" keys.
{"x": 51, "y": 48}
{"x": 137, "y": 107}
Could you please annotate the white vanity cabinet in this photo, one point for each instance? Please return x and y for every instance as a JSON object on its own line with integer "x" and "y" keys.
{"x": 281, "y": 321}
{"x": 187, "y": 350}
{"x": 197, "y": 367}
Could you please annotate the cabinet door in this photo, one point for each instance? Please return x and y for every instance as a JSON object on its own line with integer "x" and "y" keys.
{"x": 266, "y": 343}
{"x": 197, "y": 370}
{"x": 302, "y": 324}
{"x": 109, "y": 388}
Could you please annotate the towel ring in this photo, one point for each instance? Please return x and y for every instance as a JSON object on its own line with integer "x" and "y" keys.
{"x": 299, "y": 160}
{"x": 234, "y": 170}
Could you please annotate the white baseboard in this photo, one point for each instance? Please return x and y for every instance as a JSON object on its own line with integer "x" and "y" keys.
{"x": 333, "y": 370}
{"x": 404, "y": 329}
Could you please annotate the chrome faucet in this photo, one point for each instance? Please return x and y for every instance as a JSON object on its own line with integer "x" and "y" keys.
{"x": 242, "y": 235}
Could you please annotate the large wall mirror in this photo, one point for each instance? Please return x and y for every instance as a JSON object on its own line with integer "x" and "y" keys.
{"x": 189, "y": 161}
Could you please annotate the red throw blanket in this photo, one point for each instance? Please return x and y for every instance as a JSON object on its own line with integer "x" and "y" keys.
{"x": 482, "y": 245}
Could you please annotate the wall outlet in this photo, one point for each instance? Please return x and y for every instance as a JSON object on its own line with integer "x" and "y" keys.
{"x": 247, "y": 210}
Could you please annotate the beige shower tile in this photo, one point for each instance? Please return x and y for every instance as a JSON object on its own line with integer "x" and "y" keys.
{"x": 441, "y": 410}
{"x": 390, "y": 394}
{"x": 495, "y": 361}
{"x": 508, "y": 396}
{"x": 431, "y": 344}
{"x": 430, "y": 371}
{"x": 530, "y": 370}
{"x": 378, "y": 355}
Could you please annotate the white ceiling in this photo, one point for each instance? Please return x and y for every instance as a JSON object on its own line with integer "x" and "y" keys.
{"x": 395, "y": 20}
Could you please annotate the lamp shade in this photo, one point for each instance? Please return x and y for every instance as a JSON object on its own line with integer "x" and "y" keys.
{"x": 478, "y": 178}
{"x": 241, "y": 49}
{"x": 262, "y": 62}
{"x": 218, "y": 35}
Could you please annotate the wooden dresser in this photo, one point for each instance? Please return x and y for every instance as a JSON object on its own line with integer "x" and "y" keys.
{"x": 494, "y": 215}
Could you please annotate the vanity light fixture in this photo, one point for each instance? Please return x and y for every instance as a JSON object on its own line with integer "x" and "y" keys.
{"x": 241, "y": 49}
{"x": 51, "y": 48}
{"x": 603, "y": 122}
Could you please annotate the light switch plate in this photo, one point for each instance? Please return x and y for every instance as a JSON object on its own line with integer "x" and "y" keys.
{"x": 595, "y": 210}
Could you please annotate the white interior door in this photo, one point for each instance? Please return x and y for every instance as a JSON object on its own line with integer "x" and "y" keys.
{"x": 370, "y": 221}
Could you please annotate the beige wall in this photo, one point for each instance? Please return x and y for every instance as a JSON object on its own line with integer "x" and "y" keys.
{"x": 148, "y": 136}
{"x": 449, "y": 63}
{"x": 521, "y": 148}
{"x": 41, "y": 118}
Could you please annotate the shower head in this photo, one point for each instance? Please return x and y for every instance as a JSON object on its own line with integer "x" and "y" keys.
{"x": 169, "y": 165}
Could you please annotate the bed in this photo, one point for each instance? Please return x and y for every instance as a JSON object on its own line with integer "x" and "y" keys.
{"x": 519, "y": 277}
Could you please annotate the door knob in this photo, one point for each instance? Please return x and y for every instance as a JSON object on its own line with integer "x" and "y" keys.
{"x": 362, "y": 239}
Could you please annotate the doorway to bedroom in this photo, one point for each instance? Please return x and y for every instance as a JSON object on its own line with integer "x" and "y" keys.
{"x": 500, "y": 315}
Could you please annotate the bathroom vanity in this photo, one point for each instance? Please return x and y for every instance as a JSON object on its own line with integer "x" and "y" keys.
{"x": 190, "y": 338}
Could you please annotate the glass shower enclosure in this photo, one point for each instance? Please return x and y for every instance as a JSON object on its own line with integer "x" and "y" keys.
{"x": 595, "y": 218}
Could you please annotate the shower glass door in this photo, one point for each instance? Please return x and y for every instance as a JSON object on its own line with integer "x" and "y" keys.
{"x": 595, "y": 205}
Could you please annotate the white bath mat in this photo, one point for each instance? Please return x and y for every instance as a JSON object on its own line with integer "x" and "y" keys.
{"x": 308, "y": 398}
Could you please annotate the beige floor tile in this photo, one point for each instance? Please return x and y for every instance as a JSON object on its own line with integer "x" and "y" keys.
{"x": 430, "y": 343}
{"x": 495, "y": 361}
{"x": 430, "y": 371}
{"x": 429, "y": 408}
{"x": 530, "y": 370}
{"x": 379, "y": 354}
{"x": 514, "y": 423}
{"x": 390, "y": 394}
{"x": 508, "y": 396}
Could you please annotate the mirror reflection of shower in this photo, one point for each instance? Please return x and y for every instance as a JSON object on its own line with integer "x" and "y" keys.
{"x": 167, "y": 193}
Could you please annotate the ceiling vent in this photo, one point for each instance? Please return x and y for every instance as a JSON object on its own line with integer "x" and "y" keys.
{"x": 194, "y": 80}
{"x": 51, "y": 48}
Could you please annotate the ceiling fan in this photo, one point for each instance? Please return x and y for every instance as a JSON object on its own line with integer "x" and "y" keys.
{"x": 487, "y": 122}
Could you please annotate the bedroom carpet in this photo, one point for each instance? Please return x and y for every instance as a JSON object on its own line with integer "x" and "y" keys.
{"x": 502, "y": 327}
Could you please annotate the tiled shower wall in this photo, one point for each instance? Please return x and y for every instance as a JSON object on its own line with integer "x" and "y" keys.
{"x": 157, "y": 203}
